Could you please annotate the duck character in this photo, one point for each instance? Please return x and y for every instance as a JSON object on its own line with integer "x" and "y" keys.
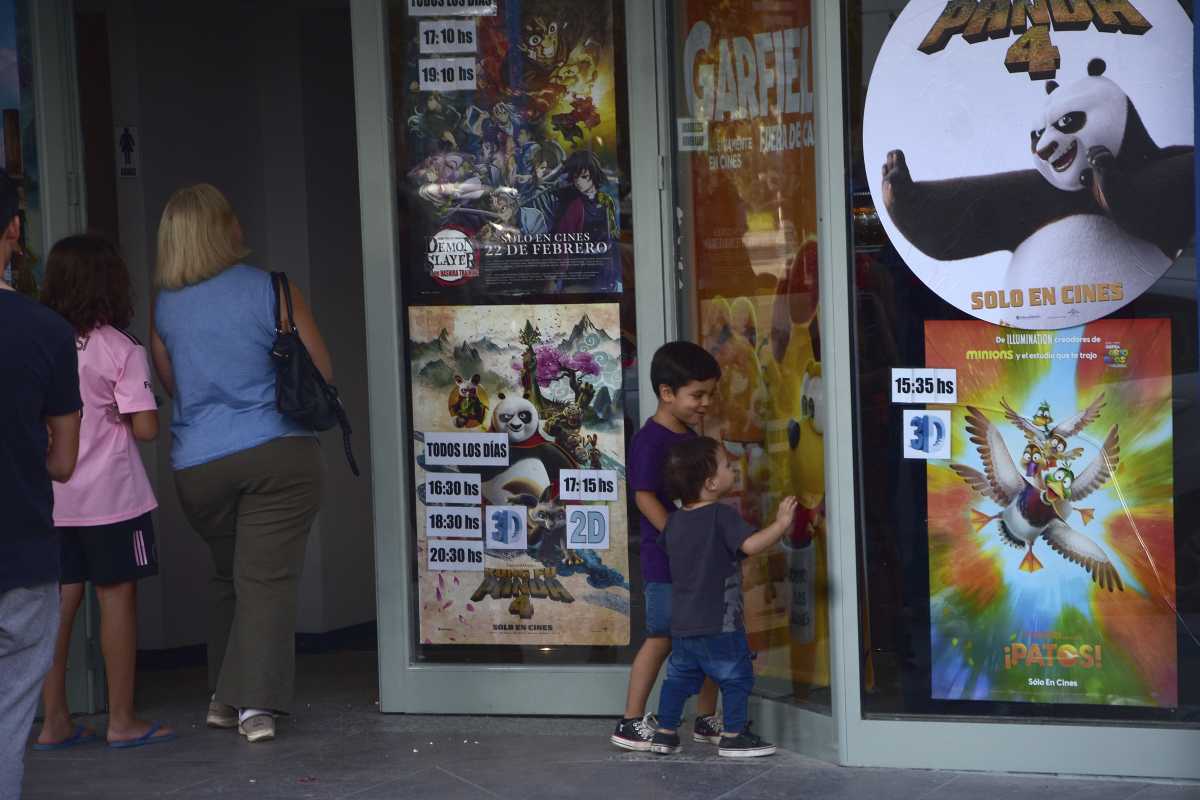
{"x": 1038, "y": 507}
{"x": 1054, "y": 441}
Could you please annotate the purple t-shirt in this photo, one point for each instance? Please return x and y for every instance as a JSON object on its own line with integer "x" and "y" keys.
{"x": 647, "y": 455}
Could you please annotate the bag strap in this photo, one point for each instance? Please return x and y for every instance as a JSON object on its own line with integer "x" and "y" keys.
{"x": 279, "y": 281}
{"x": 344, "y": 422}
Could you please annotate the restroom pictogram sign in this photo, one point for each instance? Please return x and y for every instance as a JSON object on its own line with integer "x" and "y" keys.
{"x": 129, "y": 147}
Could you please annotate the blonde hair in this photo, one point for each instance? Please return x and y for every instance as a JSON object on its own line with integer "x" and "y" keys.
{"x": 199, "y": 237}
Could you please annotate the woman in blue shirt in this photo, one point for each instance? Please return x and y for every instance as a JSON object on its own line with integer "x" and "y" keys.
{"x": 248, "y": 478}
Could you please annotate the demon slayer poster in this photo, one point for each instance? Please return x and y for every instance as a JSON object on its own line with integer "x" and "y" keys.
{"x": 1051, "y": 534}
{"x": 509, "y": 149}
{"x": 1033, "y": 162}
{"x": 746, "y": 151}
{"x": 545, "y": 383}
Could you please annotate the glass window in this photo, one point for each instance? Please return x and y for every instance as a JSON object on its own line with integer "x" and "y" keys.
{"x": 1025, "y": 357}
{"x": 745, "y": 185}
{"x": 512, "y": 137}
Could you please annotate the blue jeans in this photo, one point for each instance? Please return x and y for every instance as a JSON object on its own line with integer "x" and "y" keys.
{"x": 724, "y": 657}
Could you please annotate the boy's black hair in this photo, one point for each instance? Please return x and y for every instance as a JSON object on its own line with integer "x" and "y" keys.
{"x": 689, "y": 464}
{"x": 676, "y": 364}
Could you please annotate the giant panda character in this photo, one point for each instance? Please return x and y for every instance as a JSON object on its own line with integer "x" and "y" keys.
{"x": 534, "y": 461}
{"x": 1104, "y": 203}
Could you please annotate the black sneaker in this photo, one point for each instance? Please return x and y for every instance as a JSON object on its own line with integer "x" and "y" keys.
{"x": 665, "y": 744}
{"x": 707, "y": 729}
{"x": 744, "y": 745}
{"x": 635, "y": 734}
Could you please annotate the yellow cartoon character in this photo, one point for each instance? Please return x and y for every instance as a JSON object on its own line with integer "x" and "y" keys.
{"x": 795, "y": 445}
{"x": 730, "y": 331}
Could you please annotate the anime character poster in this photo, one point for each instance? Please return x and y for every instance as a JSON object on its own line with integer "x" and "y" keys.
{"x": 1033, "y": 163}
{"x": 746, "y": 149}
{"x": 510, "y": 151}
{"x": 1051, "y": 531}
{"x": 522, "y": 531}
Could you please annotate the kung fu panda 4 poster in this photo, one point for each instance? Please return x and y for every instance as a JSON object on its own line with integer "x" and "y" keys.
{"x": 522, "y": 532}
{"x": 1033, "y": 163}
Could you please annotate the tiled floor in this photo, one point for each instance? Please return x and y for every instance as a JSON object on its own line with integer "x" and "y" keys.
{"x": 336, "y": 745}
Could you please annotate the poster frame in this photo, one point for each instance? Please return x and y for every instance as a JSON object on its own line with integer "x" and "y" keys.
{"x": 406, "y": 685}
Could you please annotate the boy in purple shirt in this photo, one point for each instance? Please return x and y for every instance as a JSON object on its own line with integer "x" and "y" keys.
{"x": 684, "y": 376}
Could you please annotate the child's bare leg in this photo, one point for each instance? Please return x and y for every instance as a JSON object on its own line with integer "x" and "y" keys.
{"x": 118, "y": 642}
{"x": 646, "y": 664}
{"x": 56, "y": 723}
{"x": 706, "y": 703}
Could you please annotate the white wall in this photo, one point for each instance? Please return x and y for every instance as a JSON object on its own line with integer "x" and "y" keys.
{"x": 256, "y": 99}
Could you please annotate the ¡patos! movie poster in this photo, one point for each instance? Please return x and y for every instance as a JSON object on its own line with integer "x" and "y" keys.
{"x": 1051, "y": 527}
{"x": 509, "y": 145}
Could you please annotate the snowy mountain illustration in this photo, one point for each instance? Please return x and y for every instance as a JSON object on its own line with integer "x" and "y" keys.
{"x": 585, "y": 336}
{"x": 434, "y": 347}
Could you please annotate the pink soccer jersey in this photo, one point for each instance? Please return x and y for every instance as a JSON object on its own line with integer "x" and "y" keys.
{"x": 109, "y": 484}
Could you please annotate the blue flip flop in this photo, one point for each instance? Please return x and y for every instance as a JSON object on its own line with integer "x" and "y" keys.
{"x": 81, "y": 735}
{"x": 146, "y": 738}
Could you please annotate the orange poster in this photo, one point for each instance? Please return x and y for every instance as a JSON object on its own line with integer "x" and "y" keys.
{"x": 747, "y": 192}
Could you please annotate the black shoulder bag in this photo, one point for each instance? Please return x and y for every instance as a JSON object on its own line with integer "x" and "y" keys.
{"x": 301, "y": 393}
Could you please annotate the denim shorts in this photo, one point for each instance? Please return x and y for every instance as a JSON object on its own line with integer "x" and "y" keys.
{"x": 658, "y": 609}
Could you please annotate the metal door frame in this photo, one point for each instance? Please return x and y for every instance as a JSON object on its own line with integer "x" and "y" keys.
{"x": 406, "y": 685}
{"x": 62, "y": 194}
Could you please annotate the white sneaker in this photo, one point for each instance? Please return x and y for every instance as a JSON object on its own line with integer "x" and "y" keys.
{"x": 221, "y": 715}
{"x": 259, "y": 728}
{"x": 635, "y": 734}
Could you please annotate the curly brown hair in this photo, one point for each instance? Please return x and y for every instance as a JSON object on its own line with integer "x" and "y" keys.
{"x": 689, "y": 464}
{"x": 88, "y": 284}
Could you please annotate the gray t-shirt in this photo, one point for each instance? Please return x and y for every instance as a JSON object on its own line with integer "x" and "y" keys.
{"x": 703, "y": 546}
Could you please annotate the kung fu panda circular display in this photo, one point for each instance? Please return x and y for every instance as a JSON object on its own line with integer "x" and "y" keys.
{"x": 1033, "y": 164}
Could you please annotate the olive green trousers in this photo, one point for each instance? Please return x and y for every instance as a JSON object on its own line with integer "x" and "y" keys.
{"x": 254, "y": 509}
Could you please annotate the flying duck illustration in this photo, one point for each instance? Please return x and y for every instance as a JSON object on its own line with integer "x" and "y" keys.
{"x": 1037, "y": 505}
{"x": 1054, "y": 441}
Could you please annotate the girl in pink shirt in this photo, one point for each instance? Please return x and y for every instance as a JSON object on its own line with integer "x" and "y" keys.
{"x": 103, "y": 513}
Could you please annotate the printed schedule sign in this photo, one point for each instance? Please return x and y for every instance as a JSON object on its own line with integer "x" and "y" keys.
{"x": 452, "y": 521}
{"x": 447, "y": 8}
{"x": 466, "y": 449}
{"x": 463, "y": 487}
{"x": 455, "y": 556}
{"x": 448, "y": 36}
{"x": 588, "y": 484}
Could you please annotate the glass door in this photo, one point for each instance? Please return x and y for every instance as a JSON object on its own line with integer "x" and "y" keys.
{"x": 745, "y": 180}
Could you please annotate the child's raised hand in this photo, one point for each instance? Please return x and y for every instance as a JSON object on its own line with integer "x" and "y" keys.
{"x": 786, "y": 515}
